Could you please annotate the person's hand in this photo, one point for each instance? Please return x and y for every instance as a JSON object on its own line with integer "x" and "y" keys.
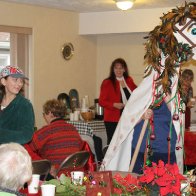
{"x": 191, "y": 102}
{"x": 53, "y": 170}
{"x": 122, "y": 83}
{"x": 119, "y": 105}
{"x": 147, "y": 114}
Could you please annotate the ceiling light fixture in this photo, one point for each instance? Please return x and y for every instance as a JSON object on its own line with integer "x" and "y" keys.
{"x": 124, "y": 4}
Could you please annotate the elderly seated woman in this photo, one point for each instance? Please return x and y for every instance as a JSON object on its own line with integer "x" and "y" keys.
{"x": 16, "y": 169}
{"x": 58, "y": 139}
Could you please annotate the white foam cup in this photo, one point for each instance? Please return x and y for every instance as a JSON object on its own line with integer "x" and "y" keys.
{"x": 33, "y": 185}
{"x": 76, "y": 116}
{"x": 48, "y": 190}
{"x": 77, "y": 177}
{"x": 71, "y": 116}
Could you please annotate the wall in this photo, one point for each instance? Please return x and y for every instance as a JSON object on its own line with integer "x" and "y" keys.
{"x": 130, "y": 47}
{"x": 127, "y": 46}
{"x": 138, "y": 20}
{"x": 50, "y": 73}
{"x": 120, "y": 35}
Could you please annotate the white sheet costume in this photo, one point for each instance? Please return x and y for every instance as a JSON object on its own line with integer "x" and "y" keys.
{"x": 118, "y": 155}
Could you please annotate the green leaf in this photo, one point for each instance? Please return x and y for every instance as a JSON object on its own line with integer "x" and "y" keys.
{"x": 60, "y": 189}
{"x": 64, "y": 179}
{"x": 53, "y": 181}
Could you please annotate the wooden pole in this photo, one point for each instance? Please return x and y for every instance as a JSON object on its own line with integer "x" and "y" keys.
{"x": 138, "y": 145}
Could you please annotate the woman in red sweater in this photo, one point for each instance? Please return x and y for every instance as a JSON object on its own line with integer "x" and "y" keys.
{"x": 115, "y": 91}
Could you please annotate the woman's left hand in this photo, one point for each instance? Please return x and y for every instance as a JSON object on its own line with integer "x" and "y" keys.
{"x": 122, "y": 83}
{"x": 147, "y": 114}
{"x": 191, "y": 102}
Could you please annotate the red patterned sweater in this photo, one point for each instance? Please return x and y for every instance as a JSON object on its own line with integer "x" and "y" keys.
{"x": 56, "y": 141}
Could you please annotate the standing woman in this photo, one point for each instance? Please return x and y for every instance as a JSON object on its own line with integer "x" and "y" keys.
{"x": 115, "y": 91}
{"x": 186, "y": 80}
{"x": 16, "y": 112}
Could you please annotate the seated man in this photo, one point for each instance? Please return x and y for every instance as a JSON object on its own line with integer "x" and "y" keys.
{"x": 16, "y": 169}
{"x": 58, "y": 139}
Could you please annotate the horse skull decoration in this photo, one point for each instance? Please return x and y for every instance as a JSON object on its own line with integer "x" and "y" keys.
{"x": 168, "y": 46}
{"x": 187, "y": 34}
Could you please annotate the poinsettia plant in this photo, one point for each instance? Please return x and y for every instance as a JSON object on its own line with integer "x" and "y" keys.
{"x": 125, "y": 185}
{"x": 159, "y": 179}
{"x": 166, "y": 176}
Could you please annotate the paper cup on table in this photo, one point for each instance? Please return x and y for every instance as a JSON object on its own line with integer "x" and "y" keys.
{"x": 87, "y": 101}
{"x": 77, "y": 177}
{"x": 71, "y": 116}
{"x": 33, "y": 186}
{"x": 76, "y": 115}
{"x": 48, "y": 190}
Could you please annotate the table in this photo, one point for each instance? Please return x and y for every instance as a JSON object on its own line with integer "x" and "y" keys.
{"x": 90, "y": 128}
{"x": 25, "y": 191}
{"x": 190, "y": 147}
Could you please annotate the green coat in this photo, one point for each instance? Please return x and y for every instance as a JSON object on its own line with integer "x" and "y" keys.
{"x": 7, "y": 194}
{"x": 17, "y": 121}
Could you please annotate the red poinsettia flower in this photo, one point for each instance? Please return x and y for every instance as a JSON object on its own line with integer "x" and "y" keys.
{"x": 173, "y": 187}
{"x": 131, "y": 180}
{"x": 118, "y": 177}
{"x": 164, "y": 181}
{"x": 129, "y": 183}
{"x": 166, "y": 176}
{"x": 126, "y": 181}
{"x": 147, "y": 178}
{"x": 161, "y": 168}
{"x": 149, "y": 174}
{"x": 117, "y": 191}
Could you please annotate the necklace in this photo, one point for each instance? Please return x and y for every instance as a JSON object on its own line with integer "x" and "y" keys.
{"x": 6, "y": 101}
{"x": 2, "y": 107}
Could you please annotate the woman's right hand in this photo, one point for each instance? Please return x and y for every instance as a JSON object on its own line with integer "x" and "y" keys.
{"x": 53, "y": 170}
{"x": 191, "y": 102}
{"x": 147, "y": 114}
{"x": 119, "y": 105}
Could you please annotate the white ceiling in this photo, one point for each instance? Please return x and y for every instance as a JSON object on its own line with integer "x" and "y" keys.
{"x": 83, "y": 6}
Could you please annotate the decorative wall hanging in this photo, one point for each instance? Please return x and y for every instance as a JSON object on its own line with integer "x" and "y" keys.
{"x": 67, "y": 51}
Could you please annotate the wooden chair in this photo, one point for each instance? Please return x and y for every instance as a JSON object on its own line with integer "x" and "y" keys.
{"x": 73, "y": 161}
{"x": 41, "y": 167}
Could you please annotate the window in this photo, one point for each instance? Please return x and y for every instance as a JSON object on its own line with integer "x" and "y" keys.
{"x": 15, "y": 48}
{"x": 4, "y": 49}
